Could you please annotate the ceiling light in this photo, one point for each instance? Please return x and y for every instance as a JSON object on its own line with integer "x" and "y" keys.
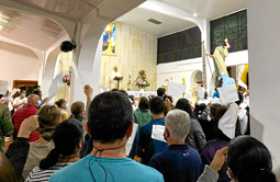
{"x": 154, "y": 21}
{"x": 195, "y": 14}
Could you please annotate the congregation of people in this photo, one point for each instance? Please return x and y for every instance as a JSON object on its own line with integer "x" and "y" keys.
{"x": 115, "y": 137}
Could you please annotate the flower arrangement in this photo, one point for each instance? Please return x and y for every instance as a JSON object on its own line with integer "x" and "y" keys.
{"x": 141, "y": 80}
{"x": 67, "y": 79}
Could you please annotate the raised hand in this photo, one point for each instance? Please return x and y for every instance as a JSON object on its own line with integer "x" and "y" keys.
{"x": 219, "y": 159}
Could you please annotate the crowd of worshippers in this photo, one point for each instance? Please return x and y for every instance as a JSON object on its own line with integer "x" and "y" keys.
{"x": 110, "y": 139}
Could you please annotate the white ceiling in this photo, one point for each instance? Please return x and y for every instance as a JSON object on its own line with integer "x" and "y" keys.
{"x": 139, "y": 19}
{"x": 34, "y": 31}
{"x": 209, "y": 9}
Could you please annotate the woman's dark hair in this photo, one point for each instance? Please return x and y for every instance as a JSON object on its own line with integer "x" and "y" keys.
{"x": 157, "y": 105}
{"x": 161, "y": 92}
{"x": 168, "y": 97}
{"x": 77, "y": 108}
{"x": 200, "y": 111}
{"x": 48, "y": 117}
{"x": 66, "y": 138}
{"x": 217, "y": 111}
{"x": 60, "y": 103}
{"x": 250, "y": 160}
{"x": 184, "y": 105}
{"x": 67, "y": 46}
{"x": 109, "y": 116}
{"x": 144, "y": 104}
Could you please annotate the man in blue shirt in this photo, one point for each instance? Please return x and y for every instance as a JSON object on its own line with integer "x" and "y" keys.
{"x": 110, "y": 125}
{"x": 179, "y": 162}
{"x": 150, "y": 139}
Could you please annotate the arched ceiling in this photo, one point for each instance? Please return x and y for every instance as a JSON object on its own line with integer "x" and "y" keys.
{"x": 74, "y": 9}
{"x": 17, "y": 50}
{"x": 33, "y": 31}
{"x": 38, "y": 32}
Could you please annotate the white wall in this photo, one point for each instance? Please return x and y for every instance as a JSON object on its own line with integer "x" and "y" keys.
{"x": 264, "y": 61}
{"x": 18, "y": 63}
{"x": 176, "y": 71}
{"x": 184, "y": 69}
{"x": 135, "y": 50}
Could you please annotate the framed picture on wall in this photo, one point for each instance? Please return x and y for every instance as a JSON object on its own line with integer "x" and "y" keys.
{"x": 109, "y": 38}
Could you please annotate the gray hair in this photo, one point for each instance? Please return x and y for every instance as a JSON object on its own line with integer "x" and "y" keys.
{"x": 178, "y": 123}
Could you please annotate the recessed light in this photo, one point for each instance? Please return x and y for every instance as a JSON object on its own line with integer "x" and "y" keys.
{"x": 154, "y": 21}
{"x": 195, "y": 14}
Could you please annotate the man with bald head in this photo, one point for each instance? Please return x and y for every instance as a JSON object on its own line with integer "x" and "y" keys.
{"x": 27, "y": 110}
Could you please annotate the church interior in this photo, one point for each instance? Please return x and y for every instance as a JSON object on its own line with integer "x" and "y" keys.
{"x": 186, "y": 47}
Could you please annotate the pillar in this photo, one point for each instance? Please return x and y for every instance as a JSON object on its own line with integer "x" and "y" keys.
{"x": 264, "y": 63}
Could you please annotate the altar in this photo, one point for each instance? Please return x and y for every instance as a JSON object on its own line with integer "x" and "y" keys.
{"x": 139, "y": 94}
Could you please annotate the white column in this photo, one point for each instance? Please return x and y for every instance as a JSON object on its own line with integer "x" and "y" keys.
{"x": 89, "y": 61}
{"x": 89, "y": 53}
{"x": 205, "y": 37}
{"x": 264, "y": 47}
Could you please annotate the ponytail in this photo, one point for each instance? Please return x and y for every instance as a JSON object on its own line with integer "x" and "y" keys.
{"x": 51, "y": 159}
{"x": 66, "y": 138}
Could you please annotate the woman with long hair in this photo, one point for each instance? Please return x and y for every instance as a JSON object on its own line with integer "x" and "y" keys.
{"x": 249, "y": 160}
{"x": 67, "y": 141}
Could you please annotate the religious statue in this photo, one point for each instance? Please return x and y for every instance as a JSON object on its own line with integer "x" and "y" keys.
{"x": 219, "y": 58}
{"x": 141, "y": 80}
{"x": 116, "y": 78}
{"x": 65, "y": 70}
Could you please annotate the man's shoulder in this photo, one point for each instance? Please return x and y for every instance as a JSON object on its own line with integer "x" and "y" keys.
{"x": 135, "y": 168}
{"x": 148, "y": 172}
{"x": 169, "y": 154}
{"x": 70, "y": 171}
{"x": 193, "y": 151}
{"x": 150, "y": 124}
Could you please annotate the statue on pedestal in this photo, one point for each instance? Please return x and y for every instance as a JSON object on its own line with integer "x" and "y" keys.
{"x": 141, "y": 80}
{"x": 65, "y": 70}
{"x": 219, "y": 58}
